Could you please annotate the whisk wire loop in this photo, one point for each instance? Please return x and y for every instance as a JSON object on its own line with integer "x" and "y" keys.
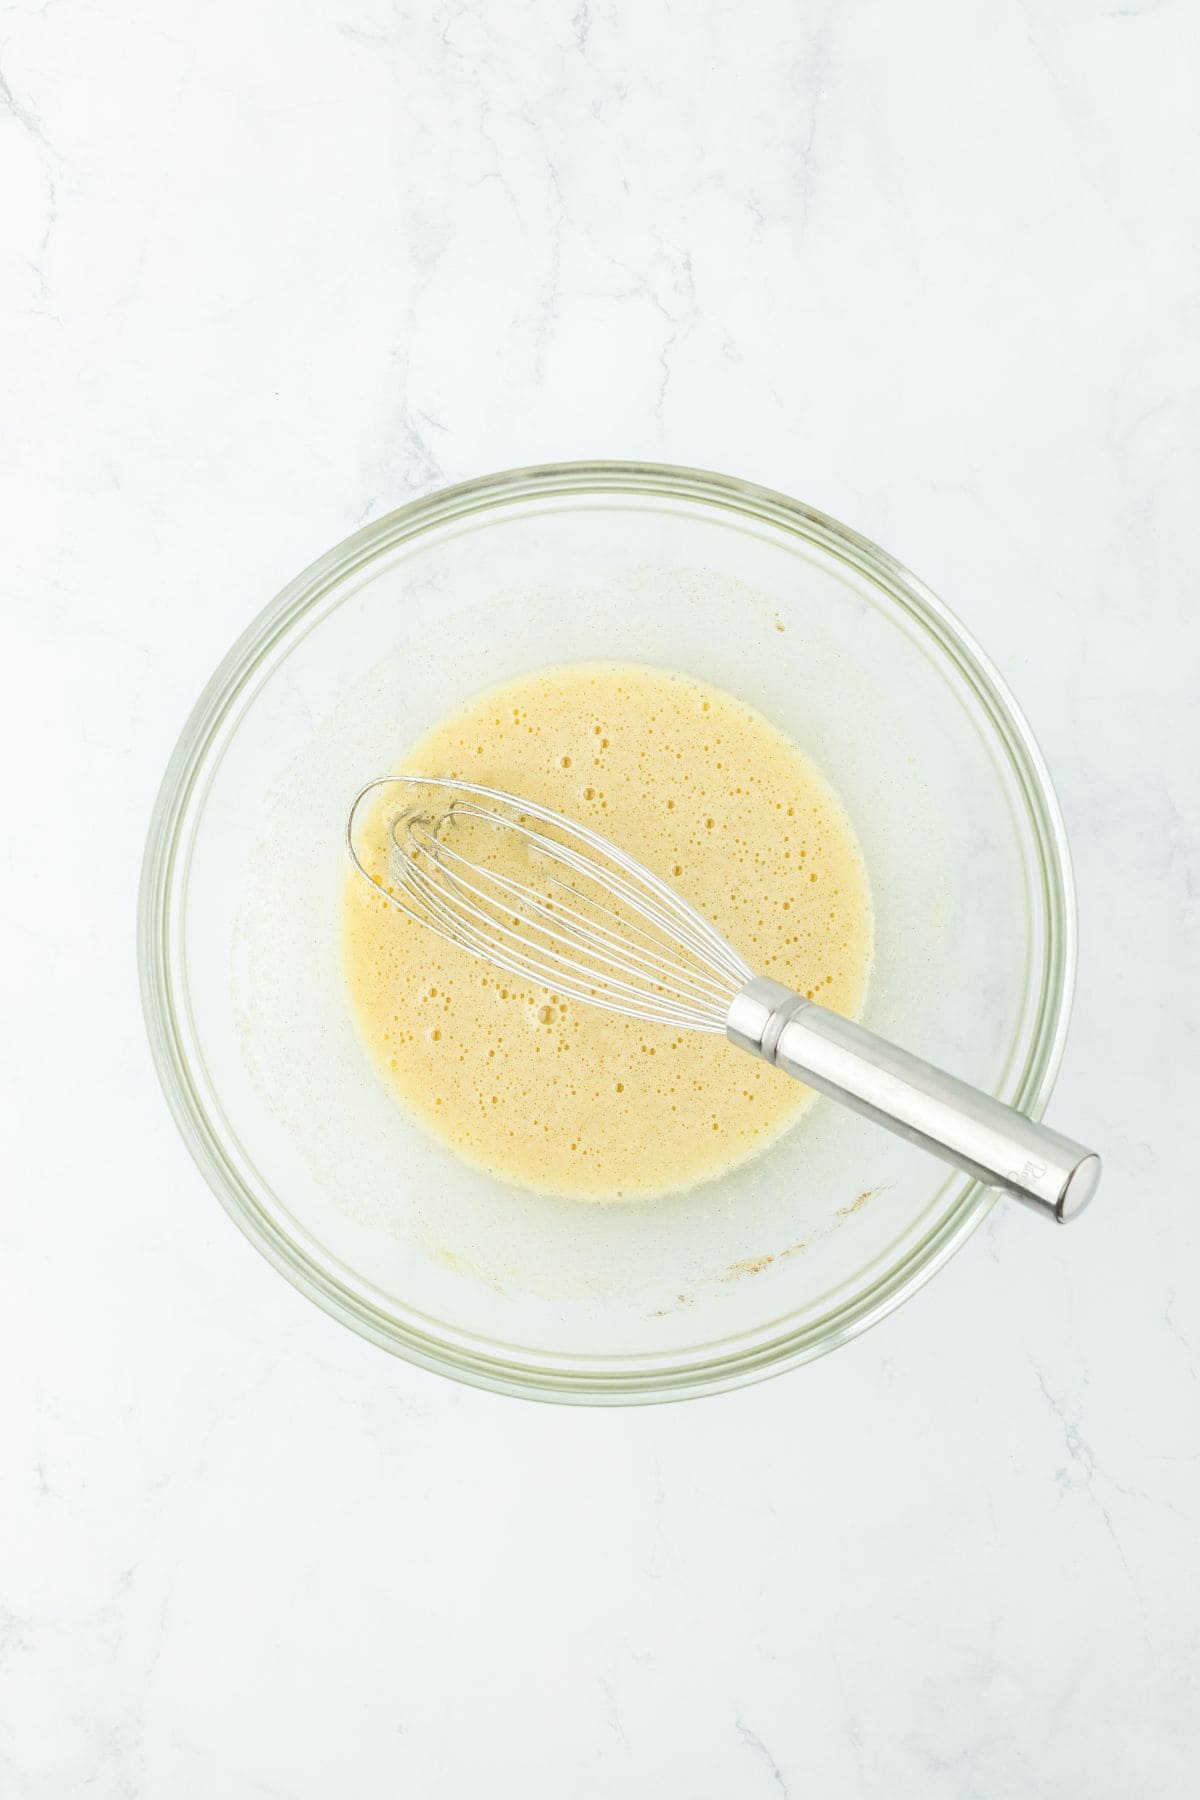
{"x": 612, "y": 935}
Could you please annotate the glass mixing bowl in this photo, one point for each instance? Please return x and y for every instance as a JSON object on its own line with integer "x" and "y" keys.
{"x": 789, "y": 1255}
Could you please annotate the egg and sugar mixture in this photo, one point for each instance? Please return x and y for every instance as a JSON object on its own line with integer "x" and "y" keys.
{"x": 546, "y": 1091}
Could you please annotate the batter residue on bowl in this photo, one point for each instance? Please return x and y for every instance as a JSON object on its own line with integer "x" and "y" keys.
{"x": 560, "y": 1097}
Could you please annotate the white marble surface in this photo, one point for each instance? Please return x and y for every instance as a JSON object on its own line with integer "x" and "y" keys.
{"x": 268, "y": 269}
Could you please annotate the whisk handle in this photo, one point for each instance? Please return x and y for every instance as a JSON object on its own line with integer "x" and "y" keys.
{"x": 993, "y": 1142}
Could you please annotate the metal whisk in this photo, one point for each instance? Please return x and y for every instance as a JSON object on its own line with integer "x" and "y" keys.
{"x": 585, "y": 919}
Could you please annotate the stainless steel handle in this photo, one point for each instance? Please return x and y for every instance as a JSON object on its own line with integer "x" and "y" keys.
{"x": 981, "y": 1136}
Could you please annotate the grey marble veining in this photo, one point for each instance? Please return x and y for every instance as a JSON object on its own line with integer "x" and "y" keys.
{"x": 267, "y": 270}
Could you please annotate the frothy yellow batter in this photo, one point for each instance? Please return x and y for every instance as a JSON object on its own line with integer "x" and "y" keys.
{"x": 558, "y": 1096}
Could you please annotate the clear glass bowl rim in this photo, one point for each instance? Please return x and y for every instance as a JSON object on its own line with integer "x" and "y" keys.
{"x": 595, "y": 1380}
